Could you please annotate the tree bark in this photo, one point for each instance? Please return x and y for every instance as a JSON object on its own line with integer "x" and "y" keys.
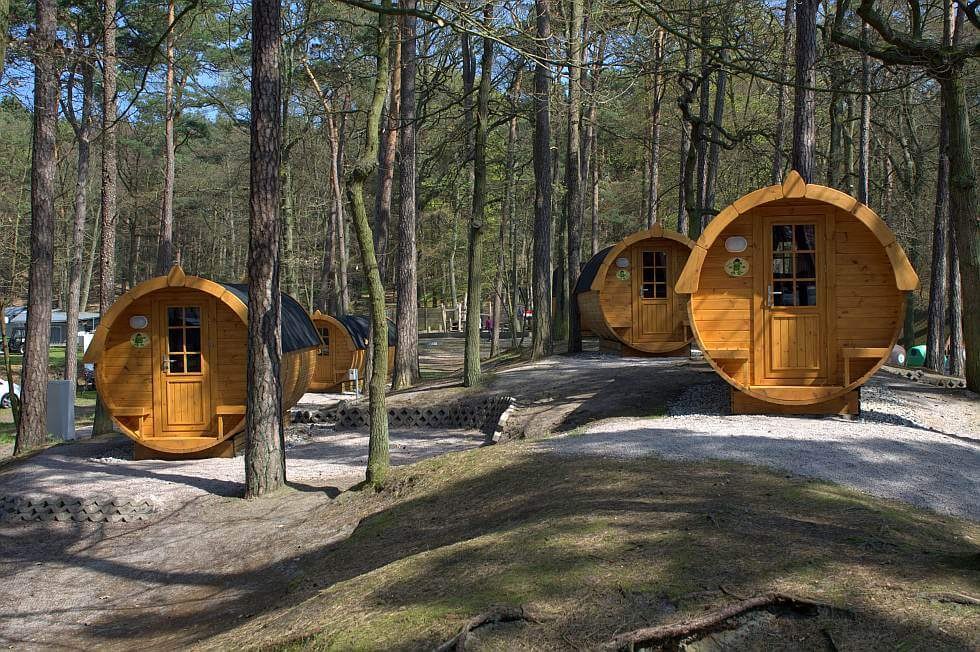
{"x": 265, "y": 457}
{"x": 4, "y": 33}
{"x": 386, "y": 162}
{"x": 957, "y": 352}
{"x": 683, "y": 218}
{"x": 573, "y": 170}
{"x": 964, "y": 212}
{"x": 83, "y": 135}
{"x": 507, "y": 224}
{"x": 653, "y": 187}
{"x": 864, "y": 135}
{"x": 938, "y": 283}
{"x": 32, "y": 430}
{"x": 541, "y": 341}
{"x": 406, "y": 371}
{"x": 779, "y": 136}
{"x": 165, "y": 245}
{"x": 714, "y": 149}
{"x": 364, "y": 167}
{"x": 474, "y": 279}
{"x": 804, "y": 120}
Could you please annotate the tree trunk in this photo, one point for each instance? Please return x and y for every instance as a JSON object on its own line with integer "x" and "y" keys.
{"x": 265, "y": 456}
{"x": 779, "y": 137}
{"x": 864, "y": 136}
{"x": 957, "y": 352}
{"x": 474, "y": 279}
{"x": 378, "y": 458}
{"x": 386, "y": 162}
{"x": 4, "y": 33}
{"x": 653, "y": 187}
{"x": 804, "y": 120}
{"x": 714, "y": 150}
{"x": 32, "y": 430}
{"x": 77, "y": 249}
{"x": 938, "y": 283}
{"x": 507, "y": 224}
{"x": 165, "y": 246}
{"x": 573, "y": 171}
{"x": 90, "y": 267}
{"x": 541, "y": 342}
{"x": 683, "y": 219}
{"x": 406, "y": 371}
{"x": 964, "y": 213}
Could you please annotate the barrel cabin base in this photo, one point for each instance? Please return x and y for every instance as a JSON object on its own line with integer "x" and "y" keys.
{"x": 848, "y": 404}
{"x": 227, "y": 448}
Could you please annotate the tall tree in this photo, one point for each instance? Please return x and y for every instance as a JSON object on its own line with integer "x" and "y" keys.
{"x": 946, "y": 64}
{"x": 364, "y": 167}
{"x": 779, "y": 133}
{"x": 32, "y": 430}
{"x": 804, "y": 109}
{"x": 656, "y": 97}
{"x": 82, "y": 127}
{"x": 110, "y": 179}
{"x": 386, "y": 161}
{"x": 265, "y": 457}
{"x": 864, "y": 128}
{"x": 406, "y": 371}
{"x": 573, "y": 168}
{"x": 541, "y": 341}
{"x": 474, "y": 280}
{"x": 4, "y": 33}
{"x": 165, "y": 241}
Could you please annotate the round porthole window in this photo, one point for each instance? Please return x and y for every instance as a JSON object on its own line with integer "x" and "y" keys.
{"x": 138, "y": 321}
{"x": 622, "y": 263}
{"x": 736, "y": 244}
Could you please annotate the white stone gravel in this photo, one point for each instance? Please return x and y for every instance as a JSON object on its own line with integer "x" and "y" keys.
{"x": 315, "y": 456}
{"x": 910, "y": 444}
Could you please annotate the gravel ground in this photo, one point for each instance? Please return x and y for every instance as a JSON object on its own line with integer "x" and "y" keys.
{"x": 316, "y": 457}
{"x": 912, "y": 443}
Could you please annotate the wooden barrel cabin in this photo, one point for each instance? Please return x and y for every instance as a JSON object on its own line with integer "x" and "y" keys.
{"x": 343, "y": 346}
{"x": 625, "y": 294}
{"x": 797, "y": 297}
{"x": 170, "y": 359}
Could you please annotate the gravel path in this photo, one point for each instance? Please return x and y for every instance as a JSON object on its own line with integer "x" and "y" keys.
{"x": 912, "y": 443}
{"x": 316, "y": 457}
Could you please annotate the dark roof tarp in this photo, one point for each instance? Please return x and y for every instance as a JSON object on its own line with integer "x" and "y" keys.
{"x": 359, "y": 328}
{"x": 590, "y": 270}
{"x": 298, "y": 331}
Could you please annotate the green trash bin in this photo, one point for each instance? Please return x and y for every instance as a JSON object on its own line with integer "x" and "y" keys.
{"x": 916, "y": 356}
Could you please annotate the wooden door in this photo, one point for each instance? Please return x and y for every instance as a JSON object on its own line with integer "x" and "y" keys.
{"x": 324, "y": 360}
{"x": 183, "y": 387}
{"x": 652, "y": 294}
{"x": 794, "y": 302}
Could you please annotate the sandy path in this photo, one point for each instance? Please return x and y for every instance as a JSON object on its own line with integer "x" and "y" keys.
{"x": 913, "y": 443}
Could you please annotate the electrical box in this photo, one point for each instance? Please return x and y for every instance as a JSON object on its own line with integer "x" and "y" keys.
{"x": 61, "y": 409}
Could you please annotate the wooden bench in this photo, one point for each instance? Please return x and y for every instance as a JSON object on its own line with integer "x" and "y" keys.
{"x": 223, "y": 411}
{"x": 728, "y": 354}
{"x": 140, "y": 413}
{"x": 857, "y": 353}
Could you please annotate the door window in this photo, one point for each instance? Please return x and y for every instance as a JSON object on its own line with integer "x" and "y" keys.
{"x": 653, "y": 282}
{"x": 324, "y": 341}
{"x": 184, "y": 340}
{"x": 794, "y": 265}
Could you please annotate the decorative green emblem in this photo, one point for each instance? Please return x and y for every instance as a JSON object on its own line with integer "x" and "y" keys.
{"x": 623, "y": 275}
{"x": 737, "y": 266}
{"x": 139, "y": 340}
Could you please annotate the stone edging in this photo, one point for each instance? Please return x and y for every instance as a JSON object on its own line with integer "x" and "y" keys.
{"x": 94, "y": 510}
{"x": 488, "y": 414}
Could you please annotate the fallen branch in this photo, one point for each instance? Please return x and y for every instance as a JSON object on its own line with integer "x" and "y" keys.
{"x": 958, "y": 598}
{"x": 667, "y": 634}
{"x": 502, "y": 614}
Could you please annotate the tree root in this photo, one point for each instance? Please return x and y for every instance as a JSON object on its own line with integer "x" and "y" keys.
{"x": 501, "y": 614}
{"x": 957, "y": 598}
{"x": 667, "y": 635}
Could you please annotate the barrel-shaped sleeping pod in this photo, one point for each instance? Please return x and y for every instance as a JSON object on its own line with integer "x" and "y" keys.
{"x": 344, "y": 342}
{"x": 170, "y": 363}
{"x": 625, "y": 294}
{"x": 797, "y": 297}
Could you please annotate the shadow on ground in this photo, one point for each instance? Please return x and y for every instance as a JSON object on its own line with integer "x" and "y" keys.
{"x": 597, "y": 546}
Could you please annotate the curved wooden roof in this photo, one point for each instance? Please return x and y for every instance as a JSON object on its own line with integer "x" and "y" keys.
{"x": 233, "y": 296}
{"x": 358, "y": 327}
{"x": 795, "y": 188}
{"x": 656, "y": 231}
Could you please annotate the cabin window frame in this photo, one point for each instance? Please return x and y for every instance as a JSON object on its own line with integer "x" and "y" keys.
{"x": 324, "y": 349}
{"x": 659, "y": 261}
{"x": 790, "y": 281}
{"x": 184, "y": 355}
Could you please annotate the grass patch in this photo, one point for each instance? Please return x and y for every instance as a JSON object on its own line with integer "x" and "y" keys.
{"x": 596, "y": 547}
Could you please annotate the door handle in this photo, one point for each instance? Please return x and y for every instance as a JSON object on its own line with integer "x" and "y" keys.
{"x": 165, "y": 365}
